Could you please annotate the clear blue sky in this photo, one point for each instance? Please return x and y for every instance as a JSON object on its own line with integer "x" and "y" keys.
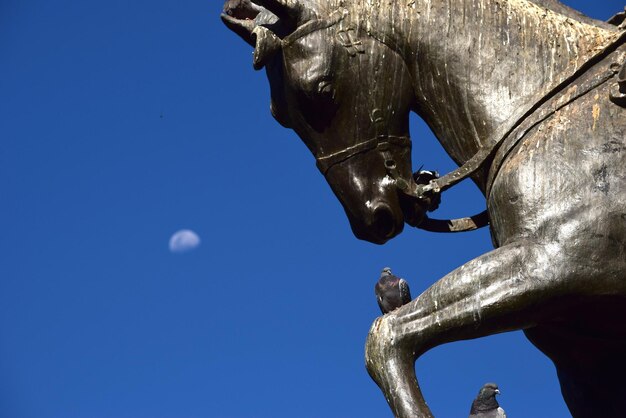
{"x": 124, "y": 121}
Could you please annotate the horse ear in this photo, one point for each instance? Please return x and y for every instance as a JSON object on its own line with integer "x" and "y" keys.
{"x": 243, "y": 28}
{"x": 266, "y": 46}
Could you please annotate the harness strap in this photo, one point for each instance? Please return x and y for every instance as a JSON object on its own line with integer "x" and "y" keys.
{"x": 507, "y": 143}
{"x": 487, "y": 151}
{"x": 381, "y": 142}
{"x": 503, "y": 136}
{"x": 540, "y": 116}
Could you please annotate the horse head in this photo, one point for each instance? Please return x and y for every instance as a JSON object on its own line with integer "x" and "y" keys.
{"x": 347, "y": 96}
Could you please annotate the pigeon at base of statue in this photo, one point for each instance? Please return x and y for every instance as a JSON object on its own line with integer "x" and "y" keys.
{"x": 485, "y": 405}
{"x": 391, "y": 291}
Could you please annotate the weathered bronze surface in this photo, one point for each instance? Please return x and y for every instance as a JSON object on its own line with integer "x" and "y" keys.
{"x": 528, "y": 98}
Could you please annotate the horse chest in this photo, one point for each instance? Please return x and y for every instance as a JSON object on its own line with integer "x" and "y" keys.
{"x": 570, "y": 167}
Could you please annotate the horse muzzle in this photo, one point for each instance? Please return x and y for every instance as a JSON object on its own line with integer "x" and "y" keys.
{"x": 379, "y": 223}
{"x": 359, "y": 176}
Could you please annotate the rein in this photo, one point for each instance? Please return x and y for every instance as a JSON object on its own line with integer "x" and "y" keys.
{"x": 486, "y": 153}
{"x": 500, "y": 136}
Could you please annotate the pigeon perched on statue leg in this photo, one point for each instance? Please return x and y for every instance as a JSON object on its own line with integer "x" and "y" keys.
{"x": 391, "y": 291}
{"x": 485, "y": 405}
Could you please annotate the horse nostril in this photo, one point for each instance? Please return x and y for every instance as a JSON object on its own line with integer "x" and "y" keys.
{"x": 378, "y": 222}
{"x": 383, "y": 221}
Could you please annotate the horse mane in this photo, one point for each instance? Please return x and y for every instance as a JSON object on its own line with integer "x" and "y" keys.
{"x": 558, "y": 7}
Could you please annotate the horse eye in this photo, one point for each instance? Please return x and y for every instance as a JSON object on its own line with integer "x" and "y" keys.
{"x": 318, "y": 105}
{"x": 325, "y": 88}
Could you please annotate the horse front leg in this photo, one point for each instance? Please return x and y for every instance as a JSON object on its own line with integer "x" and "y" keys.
{"x": 496, "y": 292}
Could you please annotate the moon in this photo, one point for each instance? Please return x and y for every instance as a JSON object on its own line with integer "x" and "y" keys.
{"x": 184, "y": 241}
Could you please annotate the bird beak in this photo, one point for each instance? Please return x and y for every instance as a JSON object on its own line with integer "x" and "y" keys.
{"x": 497, "y": 391}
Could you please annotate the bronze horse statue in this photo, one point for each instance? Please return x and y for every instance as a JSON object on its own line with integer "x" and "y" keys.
{"x": 528, "y": 97}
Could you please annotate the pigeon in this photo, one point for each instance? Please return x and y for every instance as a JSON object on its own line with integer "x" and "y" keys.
{"x": 391, "y": 291}
{"x": 485, "y": 405}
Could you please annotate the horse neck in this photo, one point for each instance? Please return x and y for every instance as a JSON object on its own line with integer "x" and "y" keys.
{"x": 474, "y": 62}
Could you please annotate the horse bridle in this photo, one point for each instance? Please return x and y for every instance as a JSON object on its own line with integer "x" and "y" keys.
{"x": 380, "y": 142}
{"x": 383, "y": 142}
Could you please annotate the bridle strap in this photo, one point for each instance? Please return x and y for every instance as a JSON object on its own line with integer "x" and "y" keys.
{"x": 380, "y": 142}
